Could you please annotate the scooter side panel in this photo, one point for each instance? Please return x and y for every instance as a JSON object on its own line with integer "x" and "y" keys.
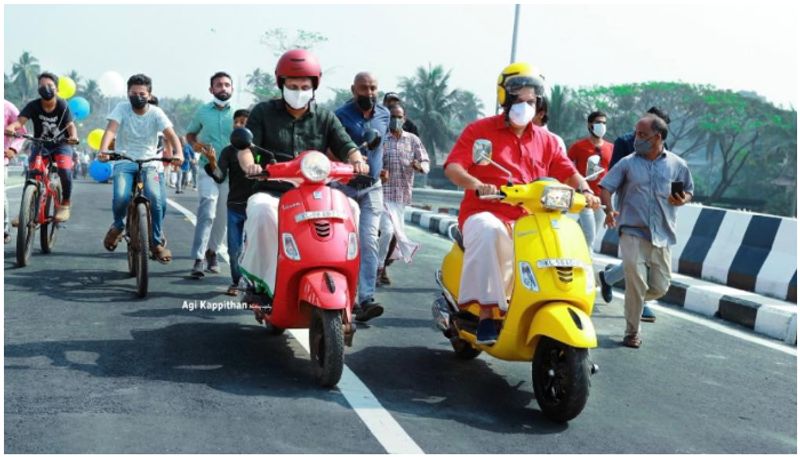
{"x": 565, "y": 323}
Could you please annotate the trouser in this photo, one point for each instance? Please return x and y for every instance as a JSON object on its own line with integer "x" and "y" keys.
{"x": 590, "y": 221}
{"x": 62, "y": 154}
{"x": 258, "y": 261}
{"x": 488, "y": 270}
{"x": 393, "y": 225}
{"x": 179, "y": 182}
{"x": 236, "y": 219}
{"x": 209, "y": 233}
{"x": 647, "y": 276}
{"x": 194, "y": 168}
{"x": 5, "y": 203}
{"x": 370, "y": 204}
{"x": 124, "y": 173}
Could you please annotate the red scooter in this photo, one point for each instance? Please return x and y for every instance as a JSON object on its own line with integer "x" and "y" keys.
{"x": 318, "y": 258}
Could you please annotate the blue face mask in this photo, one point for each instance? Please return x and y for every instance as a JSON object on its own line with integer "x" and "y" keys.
{"x": 642, "y": 147}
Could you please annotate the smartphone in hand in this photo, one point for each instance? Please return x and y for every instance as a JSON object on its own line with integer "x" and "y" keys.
{"x": 677, "y": 189}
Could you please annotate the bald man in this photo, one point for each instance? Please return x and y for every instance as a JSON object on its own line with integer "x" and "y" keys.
{"x": 359, "y": 116}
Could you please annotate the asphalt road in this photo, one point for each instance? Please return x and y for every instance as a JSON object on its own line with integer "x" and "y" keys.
{"x": 89, "y": 368}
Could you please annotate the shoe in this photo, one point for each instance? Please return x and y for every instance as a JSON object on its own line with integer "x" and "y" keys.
{"x": 632, "y": 341}
{"x": 197, "y": 269}
{"x": 211, "y": 262}
{"x": 368, "y": 309}
{"x": 62, "y": 214}
{"x": 6, "y": 237}
{"x": 233, "y": 290}
{"x": 648, "y": 315}
{"x": 112, "y": 239}
{"x": 178, "y": 191}
{"x": 383, "y": 278}
{"x": 15, "y": 222}
{"x": 487, "y": 332}
{"x": 605, "y": 288}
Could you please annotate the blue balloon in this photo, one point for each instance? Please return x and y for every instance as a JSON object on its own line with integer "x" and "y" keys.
{"x": 100, "y": 171}
{"x": 80, "y": 108}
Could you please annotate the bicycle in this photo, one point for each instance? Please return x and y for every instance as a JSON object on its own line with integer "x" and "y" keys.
{"x": 138, "y": 223}
{"x": 41, "y": 198}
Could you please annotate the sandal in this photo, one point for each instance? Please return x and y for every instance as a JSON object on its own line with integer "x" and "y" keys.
{"x": 162, "y": 254}
{"x": 632, "y": 341}
{"x": 112, "y": 239}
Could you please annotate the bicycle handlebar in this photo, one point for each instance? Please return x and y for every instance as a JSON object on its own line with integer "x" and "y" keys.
{"x": 42, "y": 140}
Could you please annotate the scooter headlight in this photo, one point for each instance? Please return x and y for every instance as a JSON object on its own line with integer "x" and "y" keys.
{"x": 352, "y": 246}
{"x": 557, "y": 198}
{"x": 315, "y": 166}
{"x": 290, "y": 247}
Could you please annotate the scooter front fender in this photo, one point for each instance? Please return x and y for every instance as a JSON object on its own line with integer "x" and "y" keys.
{"x": 565, "y": 323}
{"x": 325, "y": 289}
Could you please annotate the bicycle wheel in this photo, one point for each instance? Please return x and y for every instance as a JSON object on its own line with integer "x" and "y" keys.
{"x": 141, "y": 242}
{"x": 48, "y": 229}
{"x": 27, "y": 224}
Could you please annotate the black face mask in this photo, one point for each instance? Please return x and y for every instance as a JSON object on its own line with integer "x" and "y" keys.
{"x": 365, "y": 103}
{"x": 137, "y": 102}
{"x": 47, "y": 92}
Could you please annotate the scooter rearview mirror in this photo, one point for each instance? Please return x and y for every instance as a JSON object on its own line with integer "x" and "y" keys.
{"x": 482, "y": 152}
{"x": 372, "y": 138}
{"x": 241, "y": 138}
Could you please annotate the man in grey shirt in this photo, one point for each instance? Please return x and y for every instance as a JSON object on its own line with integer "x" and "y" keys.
{"x": 646, "y": 217}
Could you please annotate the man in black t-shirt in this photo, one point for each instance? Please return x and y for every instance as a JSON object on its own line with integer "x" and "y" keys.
{"x": 52, "y": 120}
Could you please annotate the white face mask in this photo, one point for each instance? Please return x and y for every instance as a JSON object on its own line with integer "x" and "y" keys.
{"x": 521, "y": 114}
{"x": 222, "y": 103}
{"x": 297, "y": 99}
{"x": 599, "y": 130}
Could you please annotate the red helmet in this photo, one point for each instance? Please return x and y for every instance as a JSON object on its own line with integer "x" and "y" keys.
{"x": 298, "y": 63}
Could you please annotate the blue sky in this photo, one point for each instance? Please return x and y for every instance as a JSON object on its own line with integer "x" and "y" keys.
{"x": 744, "y": 46}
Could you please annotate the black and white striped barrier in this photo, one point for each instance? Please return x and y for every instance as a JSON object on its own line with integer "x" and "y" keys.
{"x": 718, "y": 246}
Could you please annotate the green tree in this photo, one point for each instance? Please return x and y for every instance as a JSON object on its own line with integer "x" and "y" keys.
{"x": 78, "y": 79}
{"x": 279, "y": 41}
{"x": 431, "y": 103}
{"x": 341, "y": 96}
{"x": 262, "y": 85}
{"x": 24, "y": 73}
{"x": 11, "y": 90}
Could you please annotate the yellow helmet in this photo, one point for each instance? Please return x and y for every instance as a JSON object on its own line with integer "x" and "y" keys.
{"x": 524, "y": 74}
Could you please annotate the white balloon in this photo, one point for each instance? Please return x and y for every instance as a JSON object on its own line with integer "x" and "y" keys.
{"x": 111, "y": 84}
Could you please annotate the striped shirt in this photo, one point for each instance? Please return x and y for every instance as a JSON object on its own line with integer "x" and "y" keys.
{"x": 397, "y": 157}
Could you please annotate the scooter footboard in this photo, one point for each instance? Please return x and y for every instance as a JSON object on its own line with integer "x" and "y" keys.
{"x": 565, "y": 323}
{"x": 325, "y": 289}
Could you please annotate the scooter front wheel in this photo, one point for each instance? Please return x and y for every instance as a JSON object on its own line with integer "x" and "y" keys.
{"x": 560, "y": 379}
{"x": 326, "y": 340}
{"x": 463, "y": 349}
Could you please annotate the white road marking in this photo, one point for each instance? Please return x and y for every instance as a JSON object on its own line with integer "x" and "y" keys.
{"x": 380, "y": 423}
{"x": 704, "y": 321}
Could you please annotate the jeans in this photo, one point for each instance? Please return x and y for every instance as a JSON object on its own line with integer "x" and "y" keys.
{"x": 209, "y": 233}
{"x": 62, "y": 154}
{"x": 370, "y": 202}
{"x": 590, "y": 221}
{"x": 124, "y": 173}
{"x": 194, "y": 168}
{"x": 163, "y": 185}
{"x": 236, "y": 220}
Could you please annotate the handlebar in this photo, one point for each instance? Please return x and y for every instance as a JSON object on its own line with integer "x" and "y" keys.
{"x": 42, "y": 140}
{"x": 114, "y": 155}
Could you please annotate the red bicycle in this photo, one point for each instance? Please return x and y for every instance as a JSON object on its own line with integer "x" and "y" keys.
{"x": 41, "y": 198}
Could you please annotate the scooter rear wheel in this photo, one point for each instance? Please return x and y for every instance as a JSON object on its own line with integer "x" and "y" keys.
{"x": 560, "y": 379}
{"x": 326, "y": 340}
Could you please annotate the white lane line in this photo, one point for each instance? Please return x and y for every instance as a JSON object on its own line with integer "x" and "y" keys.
{"x": 704, "y": 321}
{"x": 380, "y": 423}
{"x": 14, "y": 186}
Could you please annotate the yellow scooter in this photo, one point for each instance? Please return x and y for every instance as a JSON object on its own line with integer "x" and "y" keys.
{"x": 547, "y": 321}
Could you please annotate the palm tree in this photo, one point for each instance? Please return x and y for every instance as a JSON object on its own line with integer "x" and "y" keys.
{"x": 430, "y": 103}
{"x": 467, "y": 107}
{"x": 73, "y": 75}
{"x": 262, "y": 85}
{"x": 91, "y": 91}
{"x": 24, "y": 73}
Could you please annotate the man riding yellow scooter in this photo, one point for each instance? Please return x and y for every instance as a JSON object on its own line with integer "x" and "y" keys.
{"x": 516, "y": 243}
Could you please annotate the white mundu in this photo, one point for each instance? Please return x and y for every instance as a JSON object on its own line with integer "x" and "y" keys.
{"x": 259, "y": 258}
{"x": 489, "y": 249}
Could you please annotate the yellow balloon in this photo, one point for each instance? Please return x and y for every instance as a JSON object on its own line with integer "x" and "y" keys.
{"x": 66, "y": 87}
{"x": 94, "y": 138}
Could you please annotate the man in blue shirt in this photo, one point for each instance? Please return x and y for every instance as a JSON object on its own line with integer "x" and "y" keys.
{"x": 358, "y": 117}
{"x": 646, "y": 217}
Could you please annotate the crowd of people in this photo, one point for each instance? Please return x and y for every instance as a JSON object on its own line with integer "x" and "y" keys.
{"x": 632, "y": 178}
